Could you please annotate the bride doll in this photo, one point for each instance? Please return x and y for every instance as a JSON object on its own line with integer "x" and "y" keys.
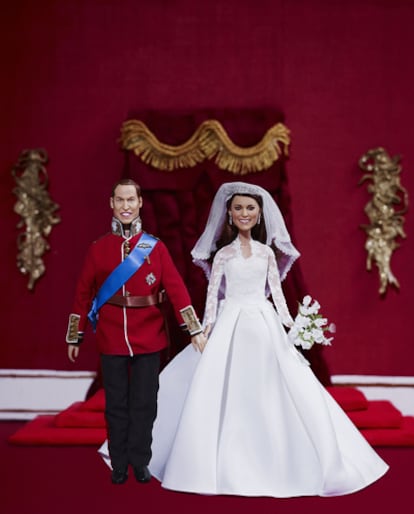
{"x": 244, "y": 414}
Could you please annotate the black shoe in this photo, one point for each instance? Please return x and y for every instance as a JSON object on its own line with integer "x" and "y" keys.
{"x": 142, "y": 474}
{"x": 119, "y": 476}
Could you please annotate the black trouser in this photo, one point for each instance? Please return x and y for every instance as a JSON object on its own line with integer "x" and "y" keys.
{"x": 131, "y": 386}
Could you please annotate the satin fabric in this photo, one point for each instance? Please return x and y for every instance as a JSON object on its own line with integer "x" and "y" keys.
{"x": 248, "y": 416}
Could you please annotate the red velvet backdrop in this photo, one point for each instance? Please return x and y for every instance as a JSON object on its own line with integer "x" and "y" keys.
{"x": 73, "y": 70}
{"x": 177, "y": 203}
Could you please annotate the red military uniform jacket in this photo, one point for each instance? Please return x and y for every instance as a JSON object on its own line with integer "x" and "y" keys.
{"x": 129, "y": 330}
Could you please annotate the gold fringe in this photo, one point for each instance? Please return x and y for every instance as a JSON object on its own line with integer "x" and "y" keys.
{"x": 208, "y": 141}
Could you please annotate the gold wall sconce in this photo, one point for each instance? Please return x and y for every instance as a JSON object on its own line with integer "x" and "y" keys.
{"x": 385, "y": 212}
{"x": 37, "y": 211}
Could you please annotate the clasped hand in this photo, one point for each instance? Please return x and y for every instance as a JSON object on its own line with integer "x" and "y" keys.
{"x": 199, "y": 342}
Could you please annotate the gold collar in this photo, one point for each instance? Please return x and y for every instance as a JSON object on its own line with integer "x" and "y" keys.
{"x": 118, "y": 228}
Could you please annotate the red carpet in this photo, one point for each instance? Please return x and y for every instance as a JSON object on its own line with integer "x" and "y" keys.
{"x": 83, "y": 423}
{"x": 74, "y": 479}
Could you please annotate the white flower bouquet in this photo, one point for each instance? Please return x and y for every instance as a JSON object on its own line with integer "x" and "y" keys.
{"x": 309, "y": 326}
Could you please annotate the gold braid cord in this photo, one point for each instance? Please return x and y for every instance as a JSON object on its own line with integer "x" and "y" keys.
{"x": 210, "y": 140}
{"x": 386, "y": 221}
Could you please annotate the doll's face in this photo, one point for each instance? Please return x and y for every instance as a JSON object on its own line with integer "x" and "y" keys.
{"x": 244, "y": 212}
{"x": 125, "y": 203}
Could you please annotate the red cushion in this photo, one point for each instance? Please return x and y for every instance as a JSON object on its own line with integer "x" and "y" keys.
{"x": 379, "y": 414}
{"x": 42, "y": 431}
{"x": 403, "y": 436}
{"x": 349, "y": 398}
{"x": 76, "y": 416}
{"x": 95, "y": 402}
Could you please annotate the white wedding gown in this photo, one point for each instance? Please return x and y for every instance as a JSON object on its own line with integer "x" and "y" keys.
{"x": 247, "y": 416}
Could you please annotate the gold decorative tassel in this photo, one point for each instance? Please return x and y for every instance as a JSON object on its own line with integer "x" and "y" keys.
{"x": 208, "y": 141}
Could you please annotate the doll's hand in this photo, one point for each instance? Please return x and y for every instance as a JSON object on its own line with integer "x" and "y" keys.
{"x": 73, "y": 352}
{"x": 199, "y": 341}
{"x": 207, "y": 331}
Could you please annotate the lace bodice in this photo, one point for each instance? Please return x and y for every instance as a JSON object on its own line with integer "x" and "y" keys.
{"x": 245, "y": 280}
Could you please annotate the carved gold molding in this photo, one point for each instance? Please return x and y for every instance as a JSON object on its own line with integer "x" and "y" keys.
{"x": 37, "y": 212}
{"x": 210, "y": 140}
{"x": 386, "y": 222}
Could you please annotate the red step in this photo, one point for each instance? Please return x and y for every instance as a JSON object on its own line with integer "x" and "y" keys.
{"x": 83, "y": 423}
{"x": 402, "y": 436}
{"x": 42, "y": 431}
{"x": 378, "y": 414}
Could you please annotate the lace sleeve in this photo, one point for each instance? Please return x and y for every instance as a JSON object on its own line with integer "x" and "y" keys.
{"x": 273, "y": 279}
{"x": 216, "y": 276}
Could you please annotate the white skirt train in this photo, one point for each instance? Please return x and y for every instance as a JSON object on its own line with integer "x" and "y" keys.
{"x": 248, "y": 417}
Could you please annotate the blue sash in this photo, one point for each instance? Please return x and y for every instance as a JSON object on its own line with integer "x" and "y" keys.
{"x": 121, "y": 274}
